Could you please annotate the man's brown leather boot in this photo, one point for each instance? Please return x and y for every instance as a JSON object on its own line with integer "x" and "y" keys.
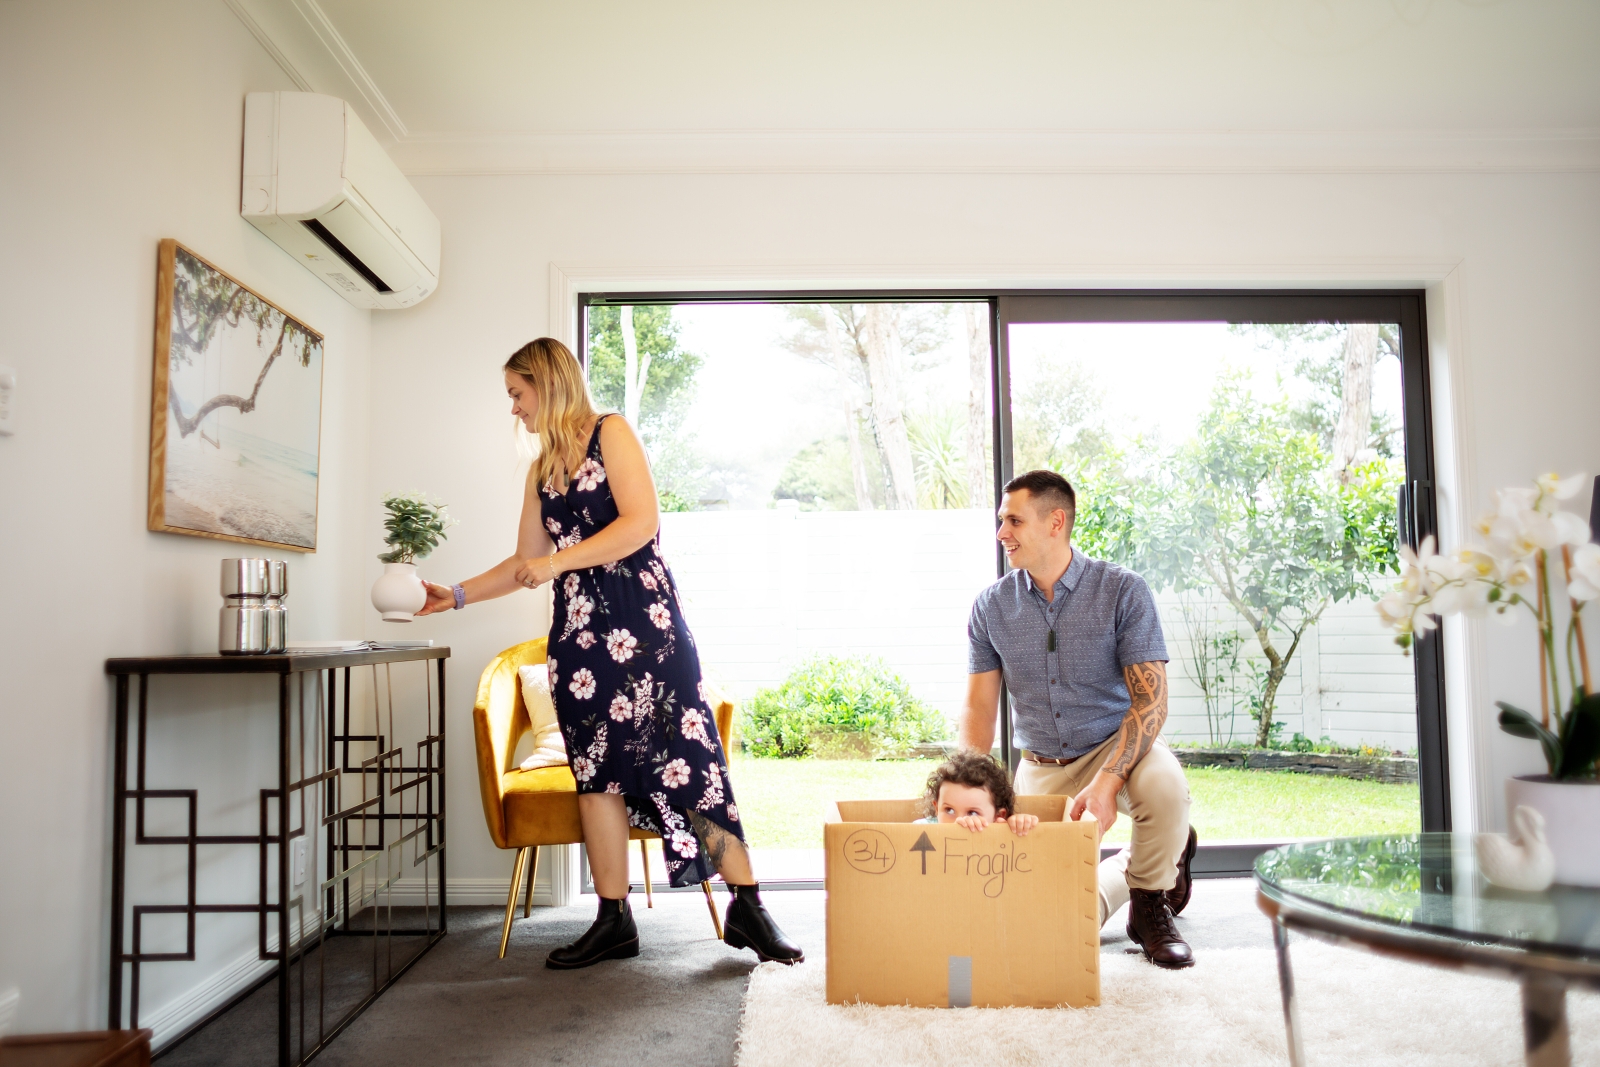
{"x": 1178, "y": 895}
{"x": 1150, "y": 926}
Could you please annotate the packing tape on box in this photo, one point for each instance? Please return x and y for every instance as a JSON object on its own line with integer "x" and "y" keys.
{"x": 960, "y": 982}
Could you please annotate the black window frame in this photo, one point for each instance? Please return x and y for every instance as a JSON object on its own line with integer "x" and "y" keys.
{"x": 1404, "y": 307}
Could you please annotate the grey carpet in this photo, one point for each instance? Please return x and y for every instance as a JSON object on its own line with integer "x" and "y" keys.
{"x": 677, "y": 1003}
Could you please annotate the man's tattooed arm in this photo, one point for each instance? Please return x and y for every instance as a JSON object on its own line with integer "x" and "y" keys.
{"x": 1147, "y": 713}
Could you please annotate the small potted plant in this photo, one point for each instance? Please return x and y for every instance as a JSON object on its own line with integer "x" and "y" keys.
{"x": 414, "y": 528}
{"x": 1533, "y": 555}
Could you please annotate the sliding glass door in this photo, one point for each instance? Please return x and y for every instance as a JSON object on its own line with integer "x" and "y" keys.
{"x": 1253, "y": 457}
{"x": 828, "y": 467}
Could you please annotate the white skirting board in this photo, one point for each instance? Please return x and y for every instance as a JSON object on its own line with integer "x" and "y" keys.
{"x": 556, "y": 884}
{"x": 177, "y": 1015}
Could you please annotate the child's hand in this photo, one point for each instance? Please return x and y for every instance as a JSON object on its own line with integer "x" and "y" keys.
{"x": 972, "y": 823}
{"x": 1021, "y": 824}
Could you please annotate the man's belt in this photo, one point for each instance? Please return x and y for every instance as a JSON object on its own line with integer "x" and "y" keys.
{"x": 1033, "y": 758}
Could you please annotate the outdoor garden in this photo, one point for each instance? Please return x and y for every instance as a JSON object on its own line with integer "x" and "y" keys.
{"x": 828, "y": 545}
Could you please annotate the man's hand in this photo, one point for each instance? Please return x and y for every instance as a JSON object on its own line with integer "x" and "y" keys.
{"x": 1021, "y": 824}
{"x": 1099, "y": 799}
{"x": 1147, "y": 713}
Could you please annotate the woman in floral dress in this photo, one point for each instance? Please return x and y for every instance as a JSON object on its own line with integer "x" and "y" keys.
{"x": 624, "y": 673}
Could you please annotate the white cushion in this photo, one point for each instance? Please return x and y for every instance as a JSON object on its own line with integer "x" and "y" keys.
{"x": 549, "y": 750}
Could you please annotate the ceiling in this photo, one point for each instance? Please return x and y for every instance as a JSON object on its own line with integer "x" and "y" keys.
{"x": 484, "y": 85}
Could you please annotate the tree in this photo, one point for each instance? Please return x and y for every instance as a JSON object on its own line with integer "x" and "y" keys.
{"x": 978, "y": 473}
{"x": 205, "y": 301}
{"x": 871, "y": 346}
{"x": 637, "y": 365}
{"x": 1337, "y": 363}
{"x": 1251, "y": 508}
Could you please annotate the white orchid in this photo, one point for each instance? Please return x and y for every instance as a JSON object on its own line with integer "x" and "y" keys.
{"x": 1530, "y": 547}
{"x": 1553, "y": 485}
{"x": 1585, "y": 585}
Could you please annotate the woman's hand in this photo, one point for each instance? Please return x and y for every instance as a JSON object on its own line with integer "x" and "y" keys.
{"x": 535, "y": 572}
{"x": 440, "y": 598}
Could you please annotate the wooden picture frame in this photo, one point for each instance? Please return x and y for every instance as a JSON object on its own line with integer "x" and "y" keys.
{"x": 235, "y": 450}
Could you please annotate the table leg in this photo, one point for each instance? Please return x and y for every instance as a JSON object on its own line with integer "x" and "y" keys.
{"x": 1544, "y": 1021}
{"x": 1291, "y": 1022}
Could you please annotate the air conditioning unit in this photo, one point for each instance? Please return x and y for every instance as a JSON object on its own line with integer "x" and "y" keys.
{"x": 320, "y": 185}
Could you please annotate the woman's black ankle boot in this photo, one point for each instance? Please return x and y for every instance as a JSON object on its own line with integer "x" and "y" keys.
{"x": 612, "y": 937}
{"x": 747, "y": 925}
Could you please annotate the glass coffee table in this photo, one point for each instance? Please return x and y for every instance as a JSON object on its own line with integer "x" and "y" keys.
{"x": 1421, "y": 897}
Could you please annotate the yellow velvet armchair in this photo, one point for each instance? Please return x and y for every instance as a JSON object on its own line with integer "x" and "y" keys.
{"x": 526, "y": 809}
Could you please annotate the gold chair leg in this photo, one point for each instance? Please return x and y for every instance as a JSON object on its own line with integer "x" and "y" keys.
{"x": 533, "y": 874}
{"x": 716, "y": 922}
{"x": 511, "y": 899}
{"x": 644, "y": 854}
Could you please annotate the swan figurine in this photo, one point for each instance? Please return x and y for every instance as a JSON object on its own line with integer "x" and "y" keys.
{"x": 1521, "y": 861}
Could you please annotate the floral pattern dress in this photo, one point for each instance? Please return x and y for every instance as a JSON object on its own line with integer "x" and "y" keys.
{"x": 625, "y": 679}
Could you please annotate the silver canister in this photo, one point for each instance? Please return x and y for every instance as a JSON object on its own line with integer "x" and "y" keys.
{"x": 246, "y": 577}
{"x": 277, "y": 627}
{"x": 254, "y": 619}
{"x": 243, "y": 626}
{"x": 277, "y": 578}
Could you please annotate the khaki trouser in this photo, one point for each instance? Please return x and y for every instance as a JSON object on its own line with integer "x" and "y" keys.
{"x": 1155, "y": 797}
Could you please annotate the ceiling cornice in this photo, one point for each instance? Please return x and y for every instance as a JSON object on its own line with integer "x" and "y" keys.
{"x": 302, "y": 39}
{"x": 1001, "y": 152}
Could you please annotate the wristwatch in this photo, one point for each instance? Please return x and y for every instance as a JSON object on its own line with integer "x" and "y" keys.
{"x": 460, "y": 592}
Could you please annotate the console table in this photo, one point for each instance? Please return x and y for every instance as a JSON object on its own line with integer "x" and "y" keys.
{"x": 349, "y": 845}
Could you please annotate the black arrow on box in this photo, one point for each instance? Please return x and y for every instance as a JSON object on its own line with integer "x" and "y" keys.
{"x": 924, "y": 846}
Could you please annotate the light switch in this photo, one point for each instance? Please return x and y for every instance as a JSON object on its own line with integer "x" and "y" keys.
{"x": 8, "y": 398}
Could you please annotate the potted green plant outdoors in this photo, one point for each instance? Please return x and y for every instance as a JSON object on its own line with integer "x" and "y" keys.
{"x": 1531, "y": 553}
{"x": 414, "y": 528}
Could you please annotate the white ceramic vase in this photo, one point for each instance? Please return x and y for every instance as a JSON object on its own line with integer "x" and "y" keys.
{"x": 399, "y": 594}
{"x": 1571, "y": 813}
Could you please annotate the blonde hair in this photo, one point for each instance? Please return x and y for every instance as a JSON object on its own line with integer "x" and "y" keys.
{"x": 564, "y": 405}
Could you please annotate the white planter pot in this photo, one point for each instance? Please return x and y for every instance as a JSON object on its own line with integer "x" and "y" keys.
{"x": 1571, "y": 813}
{"x": 399, "y": 594}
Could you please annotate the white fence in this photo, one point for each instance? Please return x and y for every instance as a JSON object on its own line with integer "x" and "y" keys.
{"x": 767, "y": 589}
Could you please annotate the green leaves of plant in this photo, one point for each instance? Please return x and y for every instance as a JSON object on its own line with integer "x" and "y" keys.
{"x": 829, "y": 699}
{"x": 1519, "y": 723}
{"x": 1580, "y": 737}
{"x": 1571, "y": 752}
{"x": 415, "y": 527}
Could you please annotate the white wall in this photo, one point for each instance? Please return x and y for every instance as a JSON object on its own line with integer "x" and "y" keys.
{"x": 1520, "y": 252}
{"x": 121, "y": 125}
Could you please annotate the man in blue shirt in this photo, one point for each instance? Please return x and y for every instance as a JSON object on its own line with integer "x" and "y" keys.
{"x": 1077, "y": 644}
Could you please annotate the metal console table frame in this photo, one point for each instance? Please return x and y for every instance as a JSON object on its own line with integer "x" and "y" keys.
{"x": 387, "y": 785}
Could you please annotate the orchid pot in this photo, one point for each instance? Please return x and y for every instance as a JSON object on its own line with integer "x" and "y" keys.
{"x": 1530, "y": 555}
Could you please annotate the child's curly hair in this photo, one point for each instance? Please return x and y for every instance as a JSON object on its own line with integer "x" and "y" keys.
{"x": 972, "y": 769}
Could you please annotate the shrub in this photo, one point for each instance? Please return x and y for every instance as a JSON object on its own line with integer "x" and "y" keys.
{"x": 836, "y": 706}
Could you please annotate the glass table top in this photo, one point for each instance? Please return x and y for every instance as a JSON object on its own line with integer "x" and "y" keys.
{"x": 1429, "y": 884}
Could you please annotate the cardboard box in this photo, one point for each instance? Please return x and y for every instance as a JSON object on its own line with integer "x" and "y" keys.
{"x": 933, "y": 916}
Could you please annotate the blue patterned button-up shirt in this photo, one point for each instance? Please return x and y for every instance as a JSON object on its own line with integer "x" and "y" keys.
{"x": 1066, "y": 702}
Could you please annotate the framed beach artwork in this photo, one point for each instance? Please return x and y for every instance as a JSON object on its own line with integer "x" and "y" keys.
{"x": 236, "y": 410}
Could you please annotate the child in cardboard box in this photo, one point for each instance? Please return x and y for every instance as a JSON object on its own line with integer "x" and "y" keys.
{"x": 972, "y": 791}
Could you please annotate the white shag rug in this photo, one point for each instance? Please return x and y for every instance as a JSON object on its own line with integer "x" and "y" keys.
{"x": 1355, "y": 1008}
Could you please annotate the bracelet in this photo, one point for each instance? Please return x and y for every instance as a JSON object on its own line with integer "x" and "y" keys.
{"x": 550, "y": 561}
{"x": 460, "y": 593}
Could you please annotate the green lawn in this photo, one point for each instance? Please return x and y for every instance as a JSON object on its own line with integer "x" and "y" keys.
{"x": 782, "y": 801}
